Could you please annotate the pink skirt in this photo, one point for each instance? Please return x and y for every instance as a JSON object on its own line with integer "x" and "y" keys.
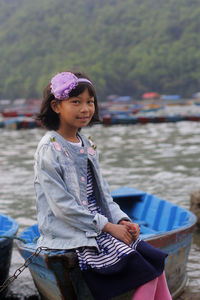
{"x": 155, "y": 289}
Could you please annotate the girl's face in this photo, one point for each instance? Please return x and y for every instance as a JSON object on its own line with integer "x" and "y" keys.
{"x": 75, "y": 112}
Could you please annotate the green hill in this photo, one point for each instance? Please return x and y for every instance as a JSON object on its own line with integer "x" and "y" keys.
{"x": 127, "y": 47}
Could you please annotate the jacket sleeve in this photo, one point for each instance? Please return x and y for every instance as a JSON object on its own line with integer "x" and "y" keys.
{"x": 116, "y": 212}
{"x": 62, "y": 203}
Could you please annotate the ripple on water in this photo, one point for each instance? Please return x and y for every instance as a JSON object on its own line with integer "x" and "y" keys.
{"x": 162, "y": 159}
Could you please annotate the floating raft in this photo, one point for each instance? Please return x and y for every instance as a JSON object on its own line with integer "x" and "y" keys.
{"x": 19, "y": 123}
{"x": 126, "y": 119}
{"x": 13, "y": 123}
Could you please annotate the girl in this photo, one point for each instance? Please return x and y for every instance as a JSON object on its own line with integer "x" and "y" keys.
{"x": 74, "y": 207}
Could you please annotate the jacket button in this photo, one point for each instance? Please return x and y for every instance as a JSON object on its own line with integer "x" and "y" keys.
{"x": 82, "y": 178}
{"x": 82, "y": 151}
{"x": 84, "y": 202}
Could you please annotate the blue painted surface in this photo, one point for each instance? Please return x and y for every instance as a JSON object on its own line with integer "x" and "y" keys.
{"x": 154, "y": 215}
{"x": 8, "y": 226}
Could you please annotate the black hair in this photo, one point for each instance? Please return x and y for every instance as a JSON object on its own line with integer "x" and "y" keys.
{"x": 50, "y": 119}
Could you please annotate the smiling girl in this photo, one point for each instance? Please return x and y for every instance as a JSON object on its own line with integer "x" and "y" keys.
{"x": 75, "y": 210}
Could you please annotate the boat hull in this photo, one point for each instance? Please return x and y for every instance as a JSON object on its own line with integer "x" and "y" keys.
{"x": 58, "y": 276}
{"x": 5, "y": 259}
{"x": 177, "y": 244}
{"x": 8, "y": 227}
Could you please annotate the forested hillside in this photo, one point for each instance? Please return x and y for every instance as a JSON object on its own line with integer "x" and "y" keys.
{"x": 127, "y": 47}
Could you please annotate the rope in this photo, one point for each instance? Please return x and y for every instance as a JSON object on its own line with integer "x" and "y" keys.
{"x": 13, "y": 237}
{"x": 35, "y": 239}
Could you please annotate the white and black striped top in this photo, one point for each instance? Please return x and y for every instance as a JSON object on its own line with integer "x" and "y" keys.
{"x": 111, "y": 249}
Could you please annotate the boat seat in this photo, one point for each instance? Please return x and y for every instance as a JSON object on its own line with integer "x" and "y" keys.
{"x": 154, "y": 212}
{"x": 149, "y": 211}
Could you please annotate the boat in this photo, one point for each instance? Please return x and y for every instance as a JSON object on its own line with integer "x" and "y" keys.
{"x": 170, "y": 97}
{"x": 20, "y": 123}
{"x": 151, "y": 95}
{"x": 4, "y": 103}
{"x": 8, "y": 229}
{"x": 145, "y": 119}
{"x": 163, "y": 224}
{"x": 151, "y": 107}
{"x": 22, "y": 108}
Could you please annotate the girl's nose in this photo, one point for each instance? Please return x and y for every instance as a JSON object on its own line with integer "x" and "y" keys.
{"x": 84, "y": 107}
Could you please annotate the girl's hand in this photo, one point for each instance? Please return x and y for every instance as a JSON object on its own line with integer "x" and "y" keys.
{"x": 121, "y": 232}
{"x": 134, "y": 228}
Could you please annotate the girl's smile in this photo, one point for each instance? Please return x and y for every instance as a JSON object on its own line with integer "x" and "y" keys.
{"x": 74, "y": 113}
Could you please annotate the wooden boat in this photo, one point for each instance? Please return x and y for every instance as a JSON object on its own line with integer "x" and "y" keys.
{"x": 8, "y": 228}
{"x": 163, "y": 224}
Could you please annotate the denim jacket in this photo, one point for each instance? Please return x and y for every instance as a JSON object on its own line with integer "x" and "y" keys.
{"x": 61, "y": 198}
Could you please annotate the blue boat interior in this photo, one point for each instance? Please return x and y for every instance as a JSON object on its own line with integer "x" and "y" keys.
{"x": 8, "y": 226}
{"x": 154, "y": 215}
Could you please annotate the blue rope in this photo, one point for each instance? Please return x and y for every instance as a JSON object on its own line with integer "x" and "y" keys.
{"x": 35, "y": 239}
{"x": 13, "y": 237}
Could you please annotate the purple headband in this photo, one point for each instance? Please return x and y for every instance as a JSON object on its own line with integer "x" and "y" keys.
{"x": 63, "y": 83}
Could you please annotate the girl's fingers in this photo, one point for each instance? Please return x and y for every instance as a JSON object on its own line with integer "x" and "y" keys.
{"x": 135, "y": 234}
{"x": 132, "y": 231}
{"x": 128, "y": 238}
{"x": 128, "y": 241}
{"x": 131, "y": 226}
{"x": 122, "y": 232}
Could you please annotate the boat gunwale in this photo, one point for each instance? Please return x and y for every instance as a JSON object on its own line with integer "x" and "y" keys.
{"x": 184, "y": 228}
{"x": 189, "y": 228}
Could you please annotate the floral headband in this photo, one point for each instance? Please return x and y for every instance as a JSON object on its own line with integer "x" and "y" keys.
{"x": 63, "y": 83}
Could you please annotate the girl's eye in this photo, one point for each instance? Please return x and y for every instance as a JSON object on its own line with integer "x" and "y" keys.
{"x": 91, "y": 101}
{"x": 76, "y": 101}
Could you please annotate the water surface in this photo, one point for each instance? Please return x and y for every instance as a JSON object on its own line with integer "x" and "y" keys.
{"x": 162, "y": 159}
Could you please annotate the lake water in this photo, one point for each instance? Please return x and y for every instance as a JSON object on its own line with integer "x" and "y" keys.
{"x": 162, "y": 159}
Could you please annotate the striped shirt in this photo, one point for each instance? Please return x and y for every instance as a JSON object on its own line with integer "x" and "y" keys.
{"x": 111, "y": 250}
